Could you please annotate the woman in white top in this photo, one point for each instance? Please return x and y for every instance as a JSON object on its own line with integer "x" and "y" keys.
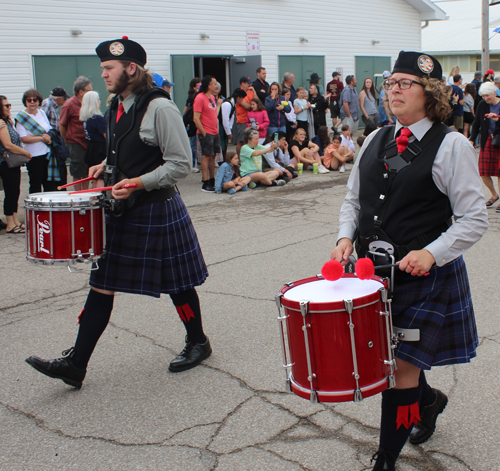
{"x": 455, "y": 70}
{"x": 32, "y": 126}
{"x": 368, "y": 103}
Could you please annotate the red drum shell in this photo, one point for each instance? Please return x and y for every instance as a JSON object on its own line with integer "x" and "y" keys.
{"x": 330, "y": 348}
{"x": 63, "y": 228}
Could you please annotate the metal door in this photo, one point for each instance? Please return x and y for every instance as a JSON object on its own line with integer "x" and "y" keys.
{"x": 182, "y": 73}
{"x": 61, "y": 71}
{"x": 240, "y": 66}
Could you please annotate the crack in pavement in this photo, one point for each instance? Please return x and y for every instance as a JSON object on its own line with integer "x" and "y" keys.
{"x": 357, "y": 444}
{"x": 264, "y": 251}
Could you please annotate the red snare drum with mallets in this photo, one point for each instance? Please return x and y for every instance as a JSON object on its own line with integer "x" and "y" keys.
{"x": 337, "y": 337}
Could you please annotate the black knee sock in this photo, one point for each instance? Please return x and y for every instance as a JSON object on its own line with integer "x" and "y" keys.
{"x": 93, "y": 321}
{"x": 428, "y": 395}
{"x": 399, "y": 413}
{"x": 187, "y": 304}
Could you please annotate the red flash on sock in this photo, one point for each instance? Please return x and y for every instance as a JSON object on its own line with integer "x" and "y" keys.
{"x": 80, "y": 317}
{"x": 185, "y": 312}
{"x": 408, "y": 415}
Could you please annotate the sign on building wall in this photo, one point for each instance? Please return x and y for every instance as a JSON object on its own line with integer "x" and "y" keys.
{"x": 253, "y": 43}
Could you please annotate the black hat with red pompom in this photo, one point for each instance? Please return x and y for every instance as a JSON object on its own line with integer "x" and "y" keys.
{"x": 122, "y": 49}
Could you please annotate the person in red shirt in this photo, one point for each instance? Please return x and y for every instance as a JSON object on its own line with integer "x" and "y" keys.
{"x": 333, "y": 91}
{"x": 73, "y": 132}
{"x": 205, "y": 110}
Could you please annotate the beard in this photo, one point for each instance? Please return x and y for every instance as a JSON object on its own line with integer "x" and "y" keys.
{"x": 121, "y": 84}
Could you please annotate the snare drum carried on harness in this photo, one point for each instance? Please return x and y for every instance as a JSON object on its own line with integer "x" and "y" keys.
{"x": 65, "y": 229}
{"x": 337, "y": 338}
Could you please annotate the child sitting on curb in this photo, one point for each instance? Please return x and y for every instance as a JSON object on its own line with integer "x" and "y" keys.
{"x": 228, "y": 176}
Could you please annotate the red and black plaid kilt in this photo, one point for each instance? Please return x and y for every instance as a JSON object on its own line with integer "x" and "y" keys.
{"x": 440, "y": 305}
{"x": 489, "y": 160}
{"x": 152, "y": 249}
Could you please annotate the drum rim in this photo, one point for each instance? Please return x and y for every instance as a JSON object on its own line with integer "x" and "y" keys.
{"x": 65, "y": 261}
{"x": 348, "y": 392}
{"x": 42, "y": 201}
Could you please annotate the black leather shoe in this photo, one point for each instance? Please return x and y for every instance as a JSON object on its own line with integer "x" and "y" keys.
{"x": 61, "y": 368}
{"x": 385, "y": 460}
{"x": 192, "y": 355}
{"x": 428, "y": 416}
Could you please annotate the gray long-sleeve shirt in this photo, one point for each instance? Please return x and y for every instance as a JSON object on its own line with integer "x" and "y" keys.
{"x": 162, "y": 126}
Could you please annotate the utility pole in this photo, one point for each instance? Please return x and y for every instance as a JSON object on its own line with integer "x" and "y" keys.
{"x": 485, "y": 42}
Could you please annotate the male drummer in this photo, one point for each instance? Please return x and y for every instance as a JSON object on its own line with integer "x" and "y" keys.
{"x": 405, "y": 193}
{"x": 151, "y": 245}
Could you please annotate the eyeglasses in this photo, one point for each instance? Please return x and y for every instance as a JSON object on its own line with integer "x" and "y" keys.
{"x": 7, "y": 105}
{"x": 32, "y": 100}
{"x": 404, "y": 84}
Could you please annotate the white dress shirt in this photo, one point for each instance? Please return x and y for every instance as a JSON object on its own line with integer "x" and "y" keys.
{"x": 455, "y": 173}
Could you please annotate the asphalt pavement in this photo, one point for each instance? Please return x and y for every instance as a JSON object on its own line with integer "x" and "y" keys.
{"x": 232, "y": 412}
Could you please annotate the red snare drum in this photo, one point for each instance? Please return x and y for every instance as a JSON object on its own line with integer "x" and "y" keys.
{"x": 63, "y": 228}
{"x": 338, "y": 334}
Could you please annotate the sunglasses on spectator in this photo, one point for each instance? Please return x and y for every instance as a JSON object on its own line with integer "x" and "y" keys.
{"x": 7, "y": 105}
{"x": 32, "y": 100}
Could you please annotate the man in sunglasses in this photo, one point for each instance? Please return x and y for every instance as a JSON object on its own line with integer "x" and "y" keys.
{"x": 408, "y": 182}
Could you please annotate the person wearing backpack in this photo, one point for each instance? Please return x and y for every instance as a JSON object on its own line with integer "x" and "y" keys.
{"x": 228, "y": 113}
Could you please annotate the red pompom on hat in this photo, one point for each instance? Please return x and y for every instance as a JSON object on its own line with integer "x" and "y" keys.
{"x": 332, "y": 270}
{"x": 364, "y": 269}
{"x": 124, "y": 37}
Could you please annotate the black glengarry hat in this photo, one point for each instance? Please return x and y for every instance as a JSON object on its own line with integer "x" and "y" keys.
{"x": 122, "y": 49}
{"x": 419, "y": 64}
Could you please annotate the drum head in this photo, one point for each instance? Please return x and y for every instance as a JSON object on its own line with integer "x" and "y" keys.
{"x": 324, "y": 291}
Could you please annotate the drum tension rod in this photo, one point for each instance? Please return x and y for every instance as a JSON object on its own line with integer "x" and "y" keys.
{"x": 349, "y": 306}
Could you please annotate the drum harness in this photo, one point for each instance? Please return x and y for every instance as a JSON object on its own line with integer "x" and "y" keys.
{"x": 378, "y": 246}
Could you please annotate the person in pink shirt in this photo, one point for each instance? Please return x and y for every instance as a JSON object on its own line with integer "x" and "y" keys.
{"x": 205, "y": 110}
{"x": 258, "y": 119}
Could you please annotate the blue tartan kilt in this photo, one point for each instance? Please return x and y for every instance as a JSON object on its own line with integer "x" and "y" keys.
{"x": 150, "y": 250}
{"x": 440, "y": 305}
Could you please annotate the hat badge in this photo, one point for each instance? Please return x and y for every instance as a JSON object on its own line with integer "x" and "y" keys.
{"x": 425, "y": 64}
{"x": 116, "y": 48}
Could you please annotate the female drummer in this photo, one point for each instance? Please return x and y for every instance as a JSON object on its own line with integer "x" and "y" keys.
{"x": 404, "y": 205}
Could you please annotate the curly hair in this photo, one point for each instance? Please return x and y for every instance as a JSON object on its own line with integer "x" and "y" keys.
{"x": 437, "y": 106}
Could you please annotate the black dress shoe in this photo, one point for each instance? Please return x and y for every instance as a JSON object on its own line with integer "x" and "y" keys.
{"x": 192, "y": 355}
{"x": 385, "y": 460}
{"x": 2, "y": 225}
{"x": 428, "y": 416}
{"x": 61, "y": 368}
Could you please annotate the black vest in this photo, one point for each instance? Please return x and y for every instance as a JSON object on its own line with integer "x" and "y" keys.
{"x": 413, "y": 205}
{"x": 129, "y": 154}
{"x": 125, "y": 148}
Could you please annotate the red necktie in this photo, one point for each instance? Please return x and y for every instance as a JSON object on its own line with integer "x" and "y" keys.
{"x": 121, "y": 110}
{"x": 402, "y": 140}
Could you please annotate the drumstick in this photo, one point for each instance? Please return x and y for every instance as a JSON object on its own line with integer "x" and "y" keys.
{"x": 76, "y": 183}
{"x": 106, "y": 188}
